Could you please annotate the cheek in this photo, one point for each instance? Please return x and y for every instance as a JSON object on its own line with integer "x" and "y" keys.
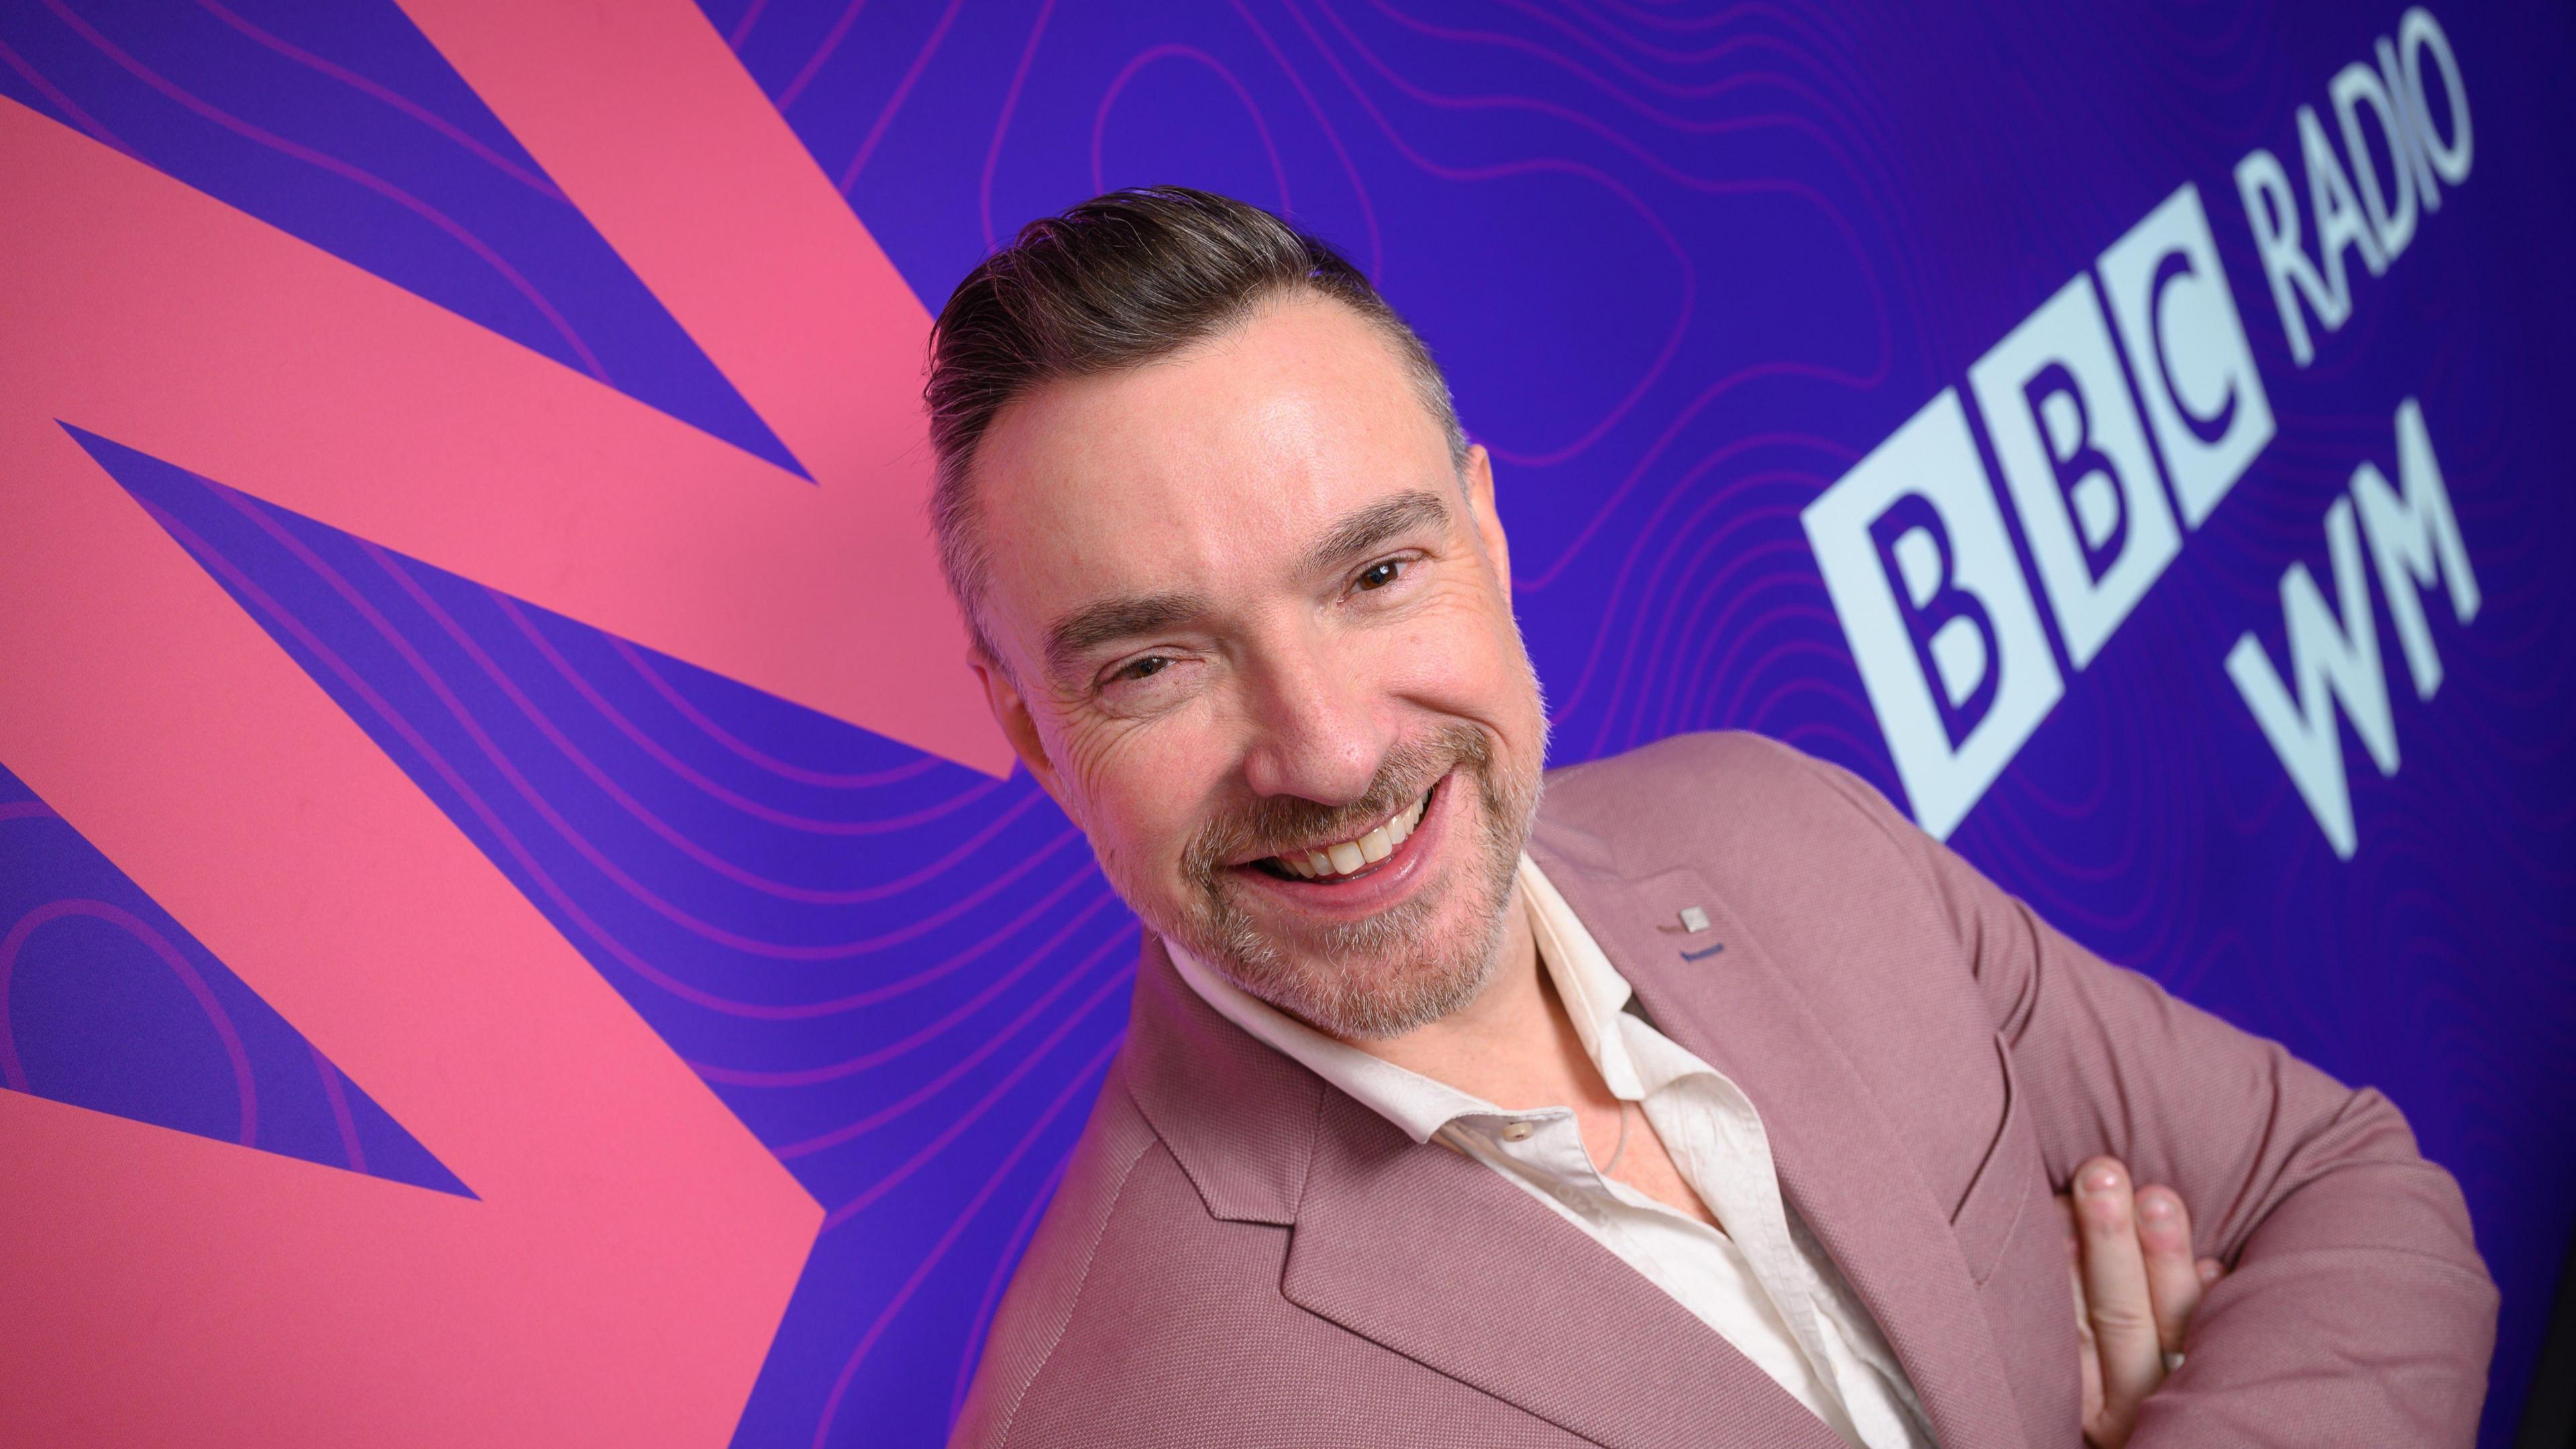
{"x": 1134, "y": 790}
{"x": 1460, "y": 654}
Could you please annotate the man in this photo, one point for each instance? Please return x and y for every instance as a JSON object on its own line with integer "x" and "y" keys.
{"x": 1699, "y": 1099}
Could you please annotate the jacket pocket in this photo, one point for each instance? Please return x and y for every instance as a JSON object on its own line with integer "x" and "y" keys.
{"x": 2007, "y": 1183}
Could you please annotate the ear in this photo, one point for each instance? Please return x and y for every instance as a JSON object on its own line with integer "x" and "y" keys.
{"x": 1011, "y": 711}
{"x": 1478, "y": 476}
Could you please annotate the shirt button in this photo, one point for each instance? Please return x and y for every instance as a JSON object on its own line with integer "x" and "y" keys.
{"x": 1518, "y": 1132}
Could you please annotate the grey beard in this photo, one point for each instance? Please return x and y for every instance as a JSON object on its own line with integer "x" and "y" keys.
{"x": 1426, "y": 979}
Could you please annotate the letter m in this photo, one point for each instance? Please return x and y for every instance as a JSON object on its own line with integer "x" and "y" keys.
{"x": 2415, "y": 539}
{"x": 2331, "y": 661}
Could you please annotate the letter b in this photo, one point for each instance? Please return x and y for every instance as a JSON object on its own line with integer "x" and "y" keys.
{"x": 2075, "y": 457}
{"x": 1941, "y": 623}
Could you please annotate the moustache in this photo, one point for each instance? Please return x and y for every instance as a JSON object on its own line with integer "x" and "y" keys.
{"x": 1266, "y": 827}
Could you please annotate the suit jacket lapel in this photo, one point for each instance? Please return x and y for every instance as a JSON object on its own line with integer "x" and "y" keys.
{"x": 1238, "y": 1116}
{"x": 1840, "y": 1164}
{"x": 1432, "y": 1255}
{"x": 1438, "y": 1258}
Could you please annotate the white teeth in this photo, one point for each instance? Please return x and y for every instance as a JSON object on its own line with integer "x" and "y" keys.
{"x": 1369, "y": 849}
{"x": 1401, "y": 827}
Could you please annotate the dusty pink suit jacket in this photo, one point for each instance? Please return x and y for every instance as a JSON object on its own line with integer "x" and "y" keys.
{"x": 1242, "y": 1255}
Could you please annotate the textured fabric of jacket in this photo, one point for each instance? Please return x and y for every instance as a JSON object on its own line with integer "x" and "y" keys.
{"x": 1242, "y": 1255}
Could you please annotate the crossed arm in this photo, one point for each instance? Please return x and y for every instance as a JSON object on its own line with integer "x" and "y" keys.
{"x": 2354, "y": 1308}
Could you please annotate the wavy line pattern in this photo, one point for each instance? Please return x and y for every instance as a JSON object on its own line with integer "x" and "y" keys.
{"x": 904, "y": 976}
{"x": 1685, "y": 263}
{"x": 108, "y": 1003}
{"x": 341, "y": 125}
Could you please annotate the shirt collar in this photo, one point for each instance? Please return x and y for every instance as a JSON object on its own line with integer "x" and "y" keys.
{"x": 1593, "y": 991}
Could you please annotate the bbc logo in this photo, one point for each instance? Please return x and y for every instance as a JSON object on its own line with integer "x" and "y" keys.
{"x": 1913, "y": 543}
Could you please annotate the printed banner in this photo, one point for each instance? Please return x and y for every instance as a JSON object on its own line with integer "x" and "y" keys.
{"x": 516, "y": 928}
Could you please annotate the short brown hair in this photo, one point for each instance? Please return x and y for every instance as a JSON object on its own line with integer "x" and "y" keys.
{"x": 1113, "y": 283}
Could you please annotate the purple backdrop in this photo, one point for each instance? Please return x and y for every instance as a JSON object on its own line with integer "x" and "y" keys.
{"x": 1687, "y": 265}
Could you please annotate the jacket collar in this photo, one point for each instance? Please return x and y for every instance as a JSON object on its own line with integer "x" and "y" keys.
{"x": 1438, "y": 1258}
{"x": 1842, "y": 1166}
{"x": 1432, "y": 1255}
{"x": 1587, "y": 983}
{"x": 1239, "y": 1116}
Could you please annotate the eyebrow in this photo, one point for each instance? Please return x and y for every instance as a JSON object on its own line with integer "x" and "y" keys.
{"x": 1089, "y": 627}
{"x": 1372, "y": 526}
{"x": 1109, "y": 620}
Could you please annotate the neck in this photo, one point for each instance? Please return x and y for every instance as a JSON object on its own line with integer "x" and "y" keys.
{"x": 1514, "y": 1045}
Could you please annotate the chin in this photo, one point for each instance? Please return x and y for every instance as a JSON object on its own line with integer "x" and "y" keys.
{"x": 1377, "y": 978}
{"x": 1381, "y": 1000}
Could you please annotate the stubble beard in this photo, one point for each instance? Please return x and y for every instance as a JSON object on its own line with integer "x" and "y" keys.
{"x": 1395, "y": 971}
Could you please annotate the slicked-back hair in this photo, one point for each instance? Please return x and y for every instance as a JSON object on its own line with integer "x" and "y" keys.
{"x": 1116, "y": 282}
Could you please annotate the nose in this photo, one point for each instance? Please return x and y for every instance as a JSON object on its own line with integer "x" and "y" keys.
{"x": 1321, "y": 726}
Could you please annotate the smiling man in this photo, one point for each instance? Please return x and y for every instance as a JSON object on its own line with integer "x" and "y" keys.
{"x": 1695, "y": 1099}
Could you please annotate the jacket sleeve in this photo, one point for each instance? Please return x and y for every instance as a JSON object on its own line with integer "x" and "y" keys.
{"x": 2356, "y": 1309}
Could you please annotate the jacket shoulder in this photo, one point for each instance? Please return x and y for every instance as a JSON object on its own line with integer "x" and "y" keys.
{"x": 1047, "y": 1288}
{"x": 1733, "y": 795}
{"x": 1128, "y": 1278}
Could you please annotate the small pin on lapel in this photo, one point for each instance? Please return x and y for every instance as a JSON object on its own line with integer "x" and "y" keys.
{"x": 1694, "y": 920}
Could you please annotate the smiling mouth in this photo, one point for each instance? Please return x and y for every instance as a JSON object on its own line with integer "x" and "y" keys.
{"x": 1347, "y": 859}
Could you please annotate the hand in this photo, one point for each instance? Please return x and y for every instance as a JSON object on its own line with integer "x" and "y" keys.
{"x": 2136, "y": 1287}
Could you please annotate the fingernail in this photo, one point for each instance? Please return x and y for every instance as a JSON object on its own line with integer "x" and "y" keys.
{"x": 2209, "y": 1272}
{"x": 2156, "y": 1207}
{"x": 2102, "y": 1180}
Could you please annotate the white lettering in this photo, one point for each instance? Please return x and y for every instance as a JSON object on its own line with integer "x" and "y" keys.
{"x": 2392, "y": 221}
{"x": 2415, "y": 539}
{"x": 2075, "y": 457}
{"x": 2274, "y": 216}
{"x": 2332, "y": 661}
{"x": 2188, "y": 352}
{"x": 2378, "y": 220}
{"x": 1918, "y": 513}
{"x": 2340, "y": 221}
{"x": 2419, "y": 35}
{"x": 2392, "y": 79}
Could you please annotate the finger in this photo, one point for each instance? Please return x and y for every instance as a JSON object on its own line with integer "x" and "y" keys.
{"x": 2173, "y": 1280}
{"x": 2211, "y": 1270}
{"x": 2075, "y": 1270}
{"x": 2115, "y": 1285}
{"x": 2089, "y": 1365}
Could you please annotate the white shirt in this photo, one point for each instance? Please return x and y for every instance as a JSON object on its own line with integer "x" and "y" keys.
{"x": 1764, "y": 1283}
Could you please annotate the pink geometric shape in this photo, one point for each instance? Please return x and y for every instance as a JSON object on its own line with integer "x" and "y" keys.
{"x": 156, "y": 316}
{"x": 632, "y": 1246}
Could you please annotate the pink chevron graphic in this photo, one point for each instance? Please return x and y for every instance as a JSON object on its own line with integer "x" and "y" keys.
{"x": 158, "y": 317}
{"x": 633, "y": 1246}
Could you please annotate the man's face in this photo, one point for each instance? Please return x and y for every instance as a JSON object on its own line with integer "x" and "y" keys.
{"x": 1261, "y": 648}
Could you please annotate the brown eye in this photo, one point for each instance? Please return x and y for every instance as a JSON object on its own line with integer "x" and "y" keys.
{"x": 1378, "y": 576}
{"x": 1149, "y": 665}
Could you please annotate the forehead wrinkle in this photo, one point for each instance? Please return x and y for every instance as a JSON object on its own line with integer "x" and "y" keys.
{"x": 1107, "y": 620}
